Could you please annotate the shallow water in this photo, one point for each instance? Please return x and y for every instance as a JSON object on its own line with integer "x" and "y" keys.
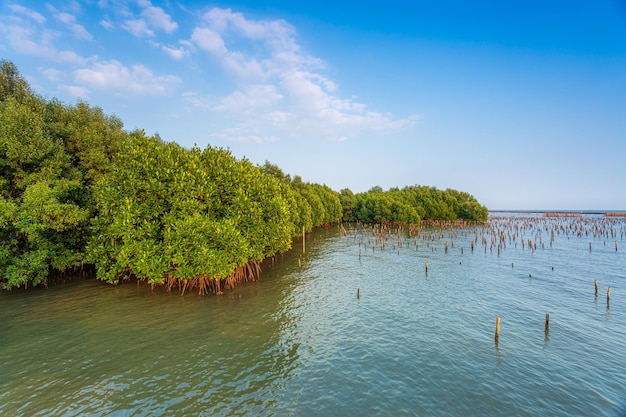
{"x": 300, "y": 342}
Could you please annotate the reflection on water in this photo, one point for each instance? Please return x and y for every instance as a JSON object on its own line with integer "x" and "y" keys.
{"x": 348, "y": 328}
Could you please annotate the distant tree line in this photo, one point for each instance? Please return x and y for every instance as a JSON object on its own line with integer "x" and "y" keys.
{"x": 410, "y": 204}
{"x": 78, "y": 191}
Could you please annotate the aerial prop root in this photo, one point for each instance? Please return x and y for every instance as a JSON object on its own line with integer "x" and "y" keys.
{"x": 205, "y": 284}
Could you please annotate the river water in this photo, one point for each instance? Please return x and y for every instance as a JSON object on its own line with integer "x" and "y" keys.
{"x": 345, "y": 329}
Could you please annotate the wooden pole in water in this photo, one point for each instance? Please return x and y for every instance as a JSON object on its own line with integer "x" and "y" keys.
{"x": 595, "y": 282}
{"x": 547, "y": 322}
{"x": 426, "y": 266}
{"x": 358, "y": 293}
{"x": 303, "y": 240}
{"x": 497, "y": 328}
{"x": 608, "y": 296}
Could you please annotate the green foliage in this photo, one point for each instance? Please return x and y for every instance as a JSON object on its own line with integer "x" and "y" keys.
{"x": 409, "y": 205}
{"x": 165, "y": 211}
{"x": 45, "y": 198}
{"x": 12, "y": 84}
{"x": 348, "y": 202}
{"x": 76, "y": 188}
{"x": 311, "y": 205}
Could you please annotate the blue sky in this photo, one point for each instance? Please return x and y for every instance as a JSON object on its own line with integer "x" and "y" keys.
{"x": 521, "y": 104}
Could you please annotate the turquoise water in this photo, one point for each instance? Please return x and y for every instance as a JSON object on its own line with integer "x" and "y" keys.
{"x": 300, "y": 342}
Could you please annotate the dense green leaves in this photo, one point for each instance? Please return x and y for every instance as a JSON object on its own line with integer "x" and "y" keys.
{"x": 45, "y": 198}
{"x": 76, "y": 189}
{"x": 165, "y": 211}
{"x": 410, "y": 205}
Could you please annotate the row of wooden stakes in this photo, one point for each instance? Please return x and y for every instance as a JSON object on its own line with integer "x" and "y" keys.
{"x": 547, "y": 328}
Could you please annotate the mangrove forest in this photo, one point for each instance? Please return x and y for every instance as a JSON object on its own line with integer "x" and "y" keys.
{"x": 80, "y": 193}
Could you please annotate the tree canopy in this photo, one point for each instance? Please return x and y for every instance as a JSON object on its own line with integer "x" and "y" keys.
{"x": 49, "y": 154}
{"x": 78, "y": 191}
{"x": 410, "y": 205}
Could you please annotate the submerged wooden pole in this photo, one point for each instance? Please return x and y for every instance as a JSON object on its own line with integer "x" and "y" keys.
{"x": 497, "y": 328}
{"x": 595, "y": 282}
{"x": 358, "y": 293}
{"x": 547, "y": 322}
{"x": 608, "y": 296}
{"x": 426, "y": 266}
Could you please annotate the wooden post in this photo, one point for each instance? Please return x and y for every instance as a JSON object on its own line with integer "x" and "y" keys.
{"x": 497, "y": 328}
{"x": 426, "y": 266}
{"x": 358, "y": 293}
{"x": 497, "y": 336}
{"x": 547, "y": 322}
{"x": 595, "y": 282}
{"x": 608, "y": 296}
{"x": 303, "y": 240}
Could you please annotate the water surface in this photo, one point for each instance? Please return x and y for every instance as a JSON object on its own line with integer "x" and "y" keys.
{"x": 300, "y": 342}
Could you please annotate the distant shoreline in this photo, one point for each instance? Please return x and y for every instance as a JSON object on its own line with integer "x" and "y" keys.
{"x": 560, "y": 211}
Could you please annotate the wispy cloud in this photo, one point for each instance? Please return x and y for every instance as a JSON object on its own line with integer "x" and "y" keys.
{"x": 36, "y": 41}
{"x": 175, "y": 53}
{"x": 77, "y": 91}
{"x": 159, "y": 19}
{"x": 107, "y": 24}
{"x": 138, "y": 27}
{"x": 37, "y": 17}
{"x": 150, "y": 19}
{"x": 281, "y": 90}
{"x": 114, "y": 77}
{"x": 196, "y": 100}
{"x": 69, "y": 20}
{"x": 53, "y": 74}
{"x": 276, "y": 89}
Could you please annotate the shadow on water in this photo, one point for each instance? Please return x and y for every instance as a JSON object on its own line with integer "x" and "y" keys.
{"x": 88, "y": 348}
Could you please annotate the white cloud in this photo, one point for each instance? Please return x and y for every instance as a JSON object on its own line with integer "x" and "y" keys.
{"x": 69, "y": 20}
{"x": 151, "y": 19}
{"x": 209, "y": 40}
{"x": 27, "y": 40}
{"x": 114, "y": 77}
{"x": 75, "y": 91}
{"x": 174, "y": 53}
{"x": 107, "y": 24}
{"x": 37, "y": 17}
{"x": 281, "y": 91}
{"x": 53, "y": 74}
{"x": 159, "y": 19}
{"x": 138, "y": 28}
{"x": 195, "y": 100}
{"x": 252, "y": 99}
